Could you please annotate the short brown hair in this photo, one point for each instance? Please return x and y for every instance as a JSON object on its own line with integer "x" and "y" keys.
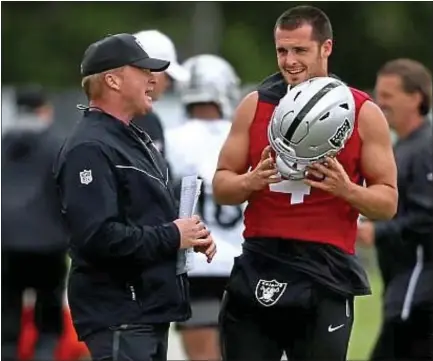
{"x": 415, "y": 77}
{"x": 301, "y": 15}
{"x": 91, "y": 85}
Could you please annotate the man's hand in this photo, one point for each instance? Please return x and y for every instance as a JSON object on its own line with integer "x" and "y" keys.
{"x": 208, "y": 250}
{"x": 365, "y": 233}
{"x": 193, "y": 232}
{"x": 331, "y": 177}
{"x": 264, "y": 174}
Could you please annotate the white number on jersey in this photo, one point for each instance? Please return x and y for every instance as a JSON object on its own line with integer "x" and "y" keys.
{"x": 297, "y": 188}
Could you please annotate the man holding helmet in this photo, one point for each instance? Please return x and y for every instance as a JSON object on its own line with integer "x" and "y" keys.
{"x": 209, "y": 98}
{"x": 298, "y": 268}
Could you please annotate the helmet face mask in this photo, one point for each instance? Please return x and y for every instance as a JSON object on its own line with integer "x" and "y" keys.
{"x": 313, "y": 121}
{"x": 290, "y": 170}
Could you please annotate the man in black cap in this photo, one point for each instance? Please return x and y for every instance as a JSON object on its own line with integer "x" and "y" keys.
{"x": 33, "y": 237}
{"x": 124, "y": 287}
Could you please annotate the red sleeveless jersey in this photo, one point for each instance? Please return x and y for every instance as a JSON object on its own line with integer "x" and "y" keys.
{"x": 292, "y": 210}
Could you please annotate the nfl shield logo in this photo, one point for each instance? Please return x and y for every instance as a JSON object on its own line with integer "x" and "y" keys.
{"x": 269, "y": 292}
{"x": 86, "y": 177}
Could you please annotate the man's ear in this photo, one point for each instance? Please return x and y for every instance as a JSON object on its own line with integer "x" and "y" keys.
{"x": 113, "y": 81}
{"x": 326, "y": 48}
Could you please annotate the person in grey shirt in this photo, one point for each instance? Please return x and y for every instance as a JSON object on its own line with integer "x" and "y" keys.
{"x": 404, "y": 244}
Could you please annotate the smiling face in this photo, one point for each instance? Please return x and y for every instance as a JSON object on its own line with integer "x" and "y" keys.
{"x": 299, "y": 56}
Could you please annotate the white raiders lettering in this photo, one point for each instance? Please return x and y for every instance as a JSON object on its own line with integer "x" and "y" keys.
{"x": 340, "y": 134}
{"x": 269, "y": 292}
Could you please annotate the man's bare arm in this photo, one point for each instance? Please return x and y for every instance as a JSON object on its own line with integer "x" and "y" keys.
{"x": 229, "y": 182}
{"x": 377, "y": 201}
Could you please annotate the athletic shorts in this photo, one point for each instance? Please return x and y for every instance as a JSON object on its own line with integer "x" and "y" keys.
{"x": 268, "y": 309}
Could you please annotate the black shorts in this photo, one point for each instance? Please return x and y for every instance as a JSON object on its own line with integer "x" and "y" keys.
{"x": 270, "y": 309}
{"x": 206, "y": 294}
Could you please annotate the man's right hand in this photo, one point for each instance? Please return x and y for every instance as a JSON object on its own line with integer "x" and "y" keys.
{"x": 193, "y": 232}
{"x": 264, "y": 174}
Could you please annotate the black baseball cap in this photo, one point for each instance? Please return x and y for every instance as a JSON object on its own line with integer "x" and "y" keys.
{"x": 30, "y": 97}
{"x": 115, "y": 51}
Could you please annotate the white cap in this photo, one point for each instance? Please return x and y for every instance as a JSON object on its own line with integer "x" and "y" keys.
{"x": 159, "y": 45}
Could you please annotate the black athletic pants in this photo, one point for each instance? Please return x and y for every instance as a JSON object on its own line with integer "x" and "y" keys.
{"x": 411, "y": 339}
{"x": 129, "y": 342}
{"x": 321, "y": 332}
{"x": 46, "y": 274}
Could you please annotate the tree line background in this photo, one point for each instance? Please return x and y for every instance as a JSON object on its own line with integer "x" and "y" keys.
{"x": 44, "y": 41}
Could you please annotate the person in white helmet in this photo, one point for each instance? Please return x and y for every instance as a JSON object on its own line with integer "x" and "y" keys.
{"x": 159, "y": 45}
{"x": 209, "y": 98}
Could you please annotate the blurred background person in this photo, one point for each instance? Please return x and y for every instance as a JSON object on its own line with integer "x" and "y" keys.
{"x": 209, "y": 98}
{"x": 33, "y": 238}
{"x": 160, "y": 46}
{"x": 405, "y": 244}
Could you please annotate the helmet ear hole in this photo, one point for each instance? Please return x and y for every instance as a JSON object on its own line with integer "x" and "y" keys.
{"x": 323, "y": 117}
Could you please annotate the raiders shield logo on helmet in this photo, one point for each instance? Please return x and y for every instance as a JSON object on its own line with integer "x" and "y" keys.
{"x": 269, "y": 292}
{"x": 341, "y": 134}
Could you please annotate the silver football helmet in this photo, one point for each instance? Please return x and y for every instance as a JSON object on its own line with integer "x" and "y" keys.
{"x": 212, "y": 79}
{"x": 313, "y": 120}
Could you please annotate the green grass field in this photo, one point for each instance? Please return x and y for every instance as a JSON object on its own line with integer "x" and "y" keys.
{"x": 367, "y": 320}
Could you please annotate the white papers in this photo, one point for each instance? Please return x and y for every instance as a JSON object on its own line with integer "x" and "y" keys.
{"x": 190, "y": 192}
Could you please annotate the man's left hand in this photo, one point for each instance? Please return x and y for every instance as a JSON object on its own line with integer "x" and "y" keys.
{"x": 329, "y": 176}
{"x": 209, "y": 250}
